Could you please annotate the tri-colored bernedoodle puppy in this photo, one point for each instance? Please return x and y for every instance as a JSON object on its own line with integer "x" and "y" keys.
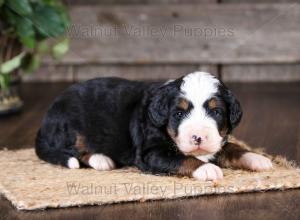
{"x": 179, "y": 127}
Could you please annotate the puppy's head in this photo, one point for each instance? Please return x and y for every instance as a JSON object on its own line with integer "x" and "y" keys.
{"x": 197, "y": 111}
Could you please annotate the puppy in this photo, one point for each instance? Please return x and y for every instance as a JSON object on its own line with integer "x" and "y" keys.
{"x": 177, "y": 128}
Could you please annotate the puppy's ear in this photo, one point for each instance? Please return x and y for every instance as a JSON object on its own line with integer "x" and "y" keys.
{"x": 235, "y": 110}
{"x": 158, "y": 109}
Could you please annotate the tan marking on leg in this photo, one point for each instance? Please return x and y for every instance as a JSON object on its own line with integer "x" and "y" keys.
{"x": 188, "y": 166}
{"x": 85, "y": 158}
{"x": 80, "y": 144}
{"x": 230, "y": 154}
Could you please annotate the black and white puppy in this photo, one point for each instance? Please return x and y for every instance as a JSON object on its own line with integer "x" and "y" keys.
{"x": 179, "y": 127}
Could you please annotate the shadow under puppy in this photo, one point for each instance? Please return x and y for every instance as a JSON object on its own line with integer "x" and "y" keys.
{"x": 179, "y": 127}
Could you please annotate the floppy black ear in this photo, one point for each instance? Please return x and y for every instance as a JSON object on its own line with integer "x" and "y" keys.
{"x": 234, "y": 107}
{"x": 158, "y": 109}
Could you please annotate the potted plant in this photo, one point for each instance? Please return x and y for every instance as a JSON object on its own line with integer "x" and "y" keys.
{"x": 29, "y": 29}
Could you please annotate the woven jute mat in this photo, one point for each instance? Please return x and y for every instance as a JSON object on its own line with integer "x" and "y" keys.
{"x": 30, "y": 183}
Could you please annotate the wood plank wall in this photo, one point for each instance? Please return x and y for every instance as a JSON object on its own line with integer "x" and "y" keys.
{"x": 246, "y": 40}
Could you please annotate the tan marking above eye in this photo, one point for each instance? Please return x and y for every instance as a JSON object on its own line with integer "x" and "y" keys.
{"x": 216, "y": 103}
{"x": 213, "y": 103}
{"x": 183, "y": 104}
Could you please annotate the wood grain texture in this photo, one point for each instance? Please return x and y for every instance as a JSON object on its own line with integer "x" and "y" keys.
{"x": 51, "y": 73}
{"x": 229, "y": 73}
{"x": 270, "y": 205}
{"x": 271, "y": 116}
{"x": 130, "y": 2}
{"x": 139, "y": 72}
{"x": 259, "y": 1}
{"x": 209, "y": 33}
{"x": 271, "y": 119}
{"x": 71, "y": 73}
{"x": 19, "y": 130}
{"x": 261, "y": 73}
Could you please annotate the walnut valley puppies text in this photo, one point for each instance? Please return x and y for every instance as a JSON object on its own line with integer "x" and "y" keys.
{"x": 143, "y": 189}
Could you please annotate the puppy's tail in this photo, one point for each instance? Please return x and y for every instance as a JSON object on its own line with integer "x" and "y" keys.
{"x": 59, "y": 155}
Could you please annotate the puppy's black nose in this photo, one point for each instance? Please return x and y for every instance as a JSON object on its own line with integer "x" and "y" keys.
{"x": 196, "y": 139}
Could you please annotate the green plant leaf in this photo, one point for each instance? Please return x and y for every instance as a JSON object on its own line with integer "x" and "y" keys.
{"x": 21, "y": 7}
{"x": 51, "y": 2}
{"x": 12, "y": 64}
{"x": 28, "y": 41}
{"x": 4, "y": 81}
{"x": 10, "y": 17}
{"x": 31, "y": 63}
{"x": 25, "y": 32}
{"x": 60, "y": 48}
{"x": 48, "y": 21}
{"x": 42, "y": 46}
{"x": 1, "y": 2}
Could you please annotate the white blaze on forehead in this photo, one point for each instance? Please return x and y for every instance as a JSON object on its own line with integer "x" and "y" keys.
{"x": 197, "y": 87}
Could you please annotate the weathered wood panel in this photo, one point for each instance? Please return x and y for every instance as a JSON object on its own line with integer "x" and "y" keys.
{"x": 213, "y": 33}
{"x": 264, "y": 72}
{"x": 229, "y": 73}
{"x": 259, "y": 1}
{"x": 125, "y": 2}
{"x": 139, "y": 72}
{"x": 51, "y": 73}
{"x": 70, "y": 73}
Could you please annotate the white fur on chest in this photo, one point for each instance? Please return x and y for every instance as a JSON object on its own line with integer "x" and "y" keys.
{"x": 206, "y": 158}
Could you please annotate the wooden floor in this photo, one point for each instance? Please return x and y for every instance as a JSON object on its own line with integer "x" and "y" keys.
{"x": 271, "y": 119}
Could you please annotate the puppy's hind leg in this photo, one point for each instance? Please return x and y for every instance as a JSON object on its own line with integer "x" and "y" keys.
{"x": 56, "y": 152}
{"x": 66, "y": 157}
{"x": 98, "y": 161}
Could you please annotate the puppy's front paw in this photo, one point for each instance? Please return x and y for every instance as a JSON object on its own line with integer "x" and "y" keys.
{"x": 256, "y": 162}
{"x": 208, "y": 171}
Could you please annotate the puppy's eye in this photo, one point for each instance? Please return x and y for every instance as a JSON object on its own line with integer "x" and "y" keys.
{"x": 217, "y": 112}
{"x": 179, "y": 114}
